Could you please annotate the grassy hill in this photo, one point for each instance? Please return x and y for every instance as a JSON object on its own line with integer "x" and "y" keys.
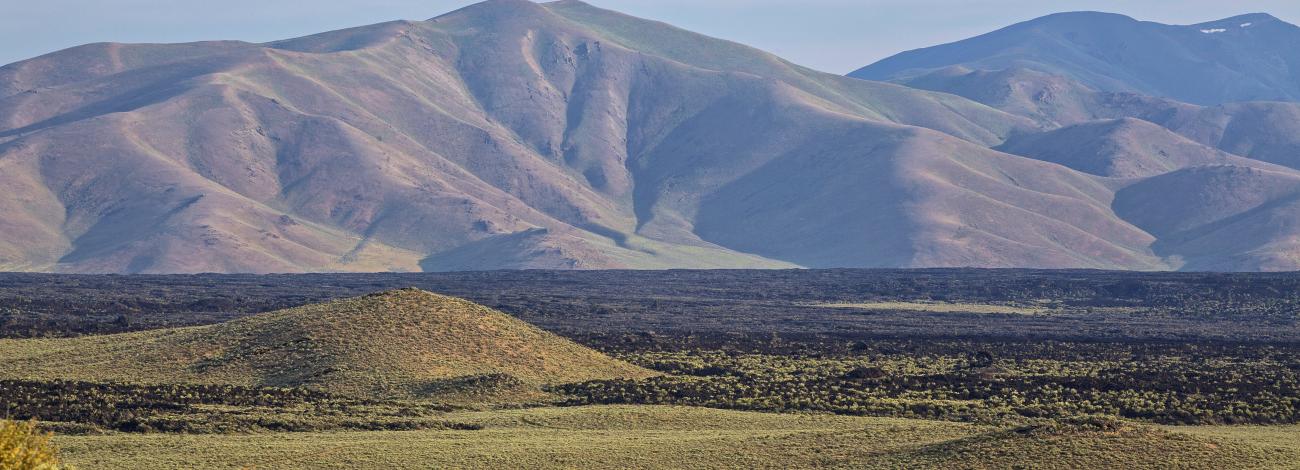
{"x": 404, "y": 343}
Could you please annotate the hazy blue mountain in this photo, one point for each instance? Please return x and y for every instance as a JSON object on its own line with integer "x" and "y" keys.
{"x": 1268, "y": 131}
{"x": 1250, "y": 57}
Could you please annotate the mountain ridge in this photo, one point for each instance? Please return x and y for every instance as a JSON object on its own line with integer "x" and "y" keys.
{"x": 1123, "y": 148}
{"x": 1242, "y": 58}
{"x": 556, "y": 147}
{"x": 516, "y": 135}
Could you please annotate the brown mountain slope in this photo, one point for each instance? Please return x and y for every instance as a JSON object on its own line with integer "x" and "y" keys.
{"x": 1050, "y": 100}
{"x": 1265, "y": 131}
{"x": 1237, "y": 214}
{"x": 1124, "y": 148}
{"x": 394, "y": 344}
{"x": 511, "y": 134}
{"x": 922, "y": 199}
{"x": 1219, "y": 218}
{"x": 507, "y": 134}
{"x": 549, "y": 143}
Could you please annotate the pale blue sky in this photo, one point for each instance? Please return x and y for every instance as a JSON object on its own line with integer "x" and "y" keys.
{"x": 830, "y": 35}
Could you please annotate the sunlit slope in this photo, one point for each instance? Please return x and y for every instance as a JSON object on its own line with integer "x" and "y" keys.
{"x": 511, "y": 134}
{"x": 405, "y": 343}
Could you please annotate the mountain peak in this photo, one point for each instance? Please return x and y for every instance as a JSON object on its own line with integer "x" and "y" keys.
{"x": 506, "y": 3}
{"x": 1254, "y": 18}
{"x": 1246, "y": 22}
{"x": 404, "y": 293}
{"x": 1081, "y": 17}
{"x": 495, "y": 9}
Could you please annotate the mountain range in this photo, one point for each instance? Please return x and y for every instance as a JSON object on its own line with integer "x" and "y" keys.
{"x": 511, "y": 134}
{"x": 1244, "y": 58}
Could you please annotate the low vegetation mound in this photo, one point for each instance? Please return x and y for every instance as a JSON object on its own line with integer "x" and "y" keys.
{"x": 1076, "y": 445}
{"x": 403, "y": 343}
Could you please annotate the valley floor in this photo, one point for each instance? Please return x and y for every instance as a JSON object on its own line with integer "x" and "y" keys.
{"x": 680, "y": 437}
{"x": 744, "y": 369}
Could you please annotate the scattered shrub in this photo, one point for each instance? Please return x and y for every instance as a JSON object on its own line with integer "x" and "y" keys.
{"x": 24, "y": 447}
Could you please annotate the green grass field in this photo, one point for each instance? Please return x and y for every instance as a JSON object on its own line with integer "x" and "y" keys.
{"x": 682, "y": 437}
{"x": 1283, "y": 440}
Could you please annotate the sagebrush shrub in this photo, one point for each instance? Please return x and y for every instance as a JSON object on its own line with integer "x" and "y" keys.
{"x": 23, "y": 447}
